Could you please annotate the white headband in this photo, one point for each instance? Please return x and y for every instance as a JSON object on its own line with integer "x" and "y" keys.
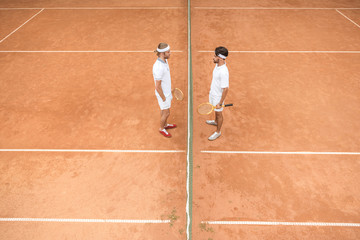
{"x": 222, "y": 56}
{"x": 164, "y": 49}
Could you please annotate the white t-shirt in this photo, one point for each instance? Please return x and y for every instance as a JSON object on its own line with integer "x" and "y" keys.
{"x": 161, "y": 71}
{"x": 220, "y": 80}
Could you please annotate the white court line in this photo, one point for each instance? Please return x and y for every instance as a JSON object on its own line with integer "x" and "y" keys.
{"x": 21, "y": 26}
{"x": 319, "y": 224}
{"x": 273, "y": 8}
{"x": 91, "y": 150}
{"x": 348, "y": 18}
{"x": 290, "y": 153}
{"x": 80, "y": 220}
{"x": 129, "y": 8}
{"x": 85, "y": 51}
{"x": 94, "y": 8}
{"x": 284, "y": 51}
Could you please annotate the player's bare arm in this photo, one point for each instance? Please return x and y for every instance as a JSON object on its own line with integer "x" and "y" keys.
{"x": 224, "y": 93}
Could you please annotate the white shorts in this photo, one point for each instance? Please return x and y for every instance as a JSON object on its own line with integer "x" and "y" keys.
{"x": 164, "y": 105}
{"x": 215, "y": 100}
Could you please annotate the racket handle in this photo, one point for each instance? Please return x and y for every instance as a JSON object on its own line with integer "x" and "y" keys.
{"x": 229, "y": 105}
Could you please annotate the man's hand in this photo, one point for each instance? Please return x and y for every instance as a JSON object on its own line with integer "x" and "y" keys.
{"x": 159, "y": 90}
{"x": 224, "y": 93}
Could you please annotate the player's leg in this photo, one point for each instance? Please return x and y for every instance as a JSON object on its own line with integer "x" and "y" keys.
{"x": 167, "y": 113}
{"x": 212, "y": 101}
{"x": 164, "y": 114}
{"x": 219, "y": 120}
{"x": 163, "y": 118}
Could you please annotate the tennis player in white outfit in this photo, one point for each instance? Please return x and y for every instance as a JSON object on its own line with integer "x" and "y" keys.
{"x": 219, "y": 89}
{"x": 162, "y": 79}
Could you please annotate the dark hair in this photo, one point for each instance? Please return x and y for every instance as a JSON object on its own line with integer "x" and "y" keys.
{"x": 222, "y": 51}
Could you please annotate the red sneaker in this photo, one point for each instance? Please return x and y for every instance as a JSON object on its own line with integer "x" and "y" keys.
{"x": 165, "y": 133}
{"x": 169, "y": 126}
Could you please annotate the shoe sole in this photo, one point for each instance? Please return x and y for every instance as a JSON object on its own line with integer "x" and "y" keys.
{"x": 212, "y": 124}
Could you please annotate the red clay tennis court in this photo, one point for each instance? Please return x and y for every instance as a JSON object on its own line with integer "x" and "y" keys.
{"x": 81, "y": 157}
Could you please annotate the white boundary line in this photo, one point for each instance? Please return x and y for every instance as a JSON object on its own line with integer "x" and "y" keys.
{"x": 289, "y": 153}
{"x": 348, "y": 18}
{"x": 80, "y": 220}
{"x": 273, "y": 8}
{"x": 91, "y": 150}
{"x": 319, "y": 224}
{"x": 89, "y": 51}
{"x": 21, "y": 25}
{"x": 285, "y": 51}
{"x": 129, "y": 8}
{"x": 95, "y": 8}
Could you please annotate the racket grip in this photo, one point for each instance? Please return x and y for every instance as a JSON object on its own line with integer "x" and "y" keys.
{"x": 229, "y": 105}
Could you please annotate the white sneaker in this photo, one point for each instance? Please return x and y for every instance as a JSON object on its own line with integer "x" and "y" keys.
{"x": 211, "y": 122}
{"x": 214, "y": 136}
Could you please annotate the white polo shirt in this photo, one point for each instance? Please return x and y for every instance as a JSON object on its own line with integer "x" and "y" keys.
{"x": 161, "y": 71}
{"x": 220, "y": 80}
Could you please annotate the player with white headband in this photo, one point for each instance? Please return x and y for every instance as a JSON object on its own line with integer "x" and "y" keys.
{"x": 219, "y": 89}
{"x": 162, "y": 79}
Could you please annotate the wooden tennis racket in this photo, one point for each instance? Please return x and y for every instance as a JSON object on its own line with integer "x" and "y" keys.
{"x": 207, "y": 108}
{"x": 178, "y": 94}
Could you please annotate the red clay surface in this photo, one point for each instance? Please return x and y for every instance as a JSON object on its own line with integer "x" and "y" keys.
{"x": 279, "y": 188}
{"x": 93, "y": 186}
{"x": 354, "y": 15}
{"x": 86, "y": 100}
{"x": 276, "y": 189}
{"x": 13, "y": 19}
{"x": 92, "y": 3}
{"x": 277, "y": 232}
{"x": 91, "y": 231}
{"x": 274, "y": 30}
{"x": 283, "y": 102}
{"x": 278, "y": 3}
{"x": 90, "y": 101}
{"x": 110, "y": 29}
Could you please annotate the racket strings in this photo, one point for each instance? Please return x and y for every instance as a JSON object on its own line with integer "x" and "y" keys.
{"x": 178, "y": 94}
{"x": 205, "y": 108}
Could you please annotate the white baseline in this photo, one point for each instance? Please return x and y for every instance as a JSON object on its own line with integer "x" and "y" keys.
{"x": 272, "y": 8}
{"x": 80, "y": 220}
{"x": 289, "y": 153}
{"x": 95, "y": 8}
{"x": 83, "y": 51}
{"x": 91, "y": 150}
{"x": 284, "y": 51}
{"x": 319, "y": 224}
